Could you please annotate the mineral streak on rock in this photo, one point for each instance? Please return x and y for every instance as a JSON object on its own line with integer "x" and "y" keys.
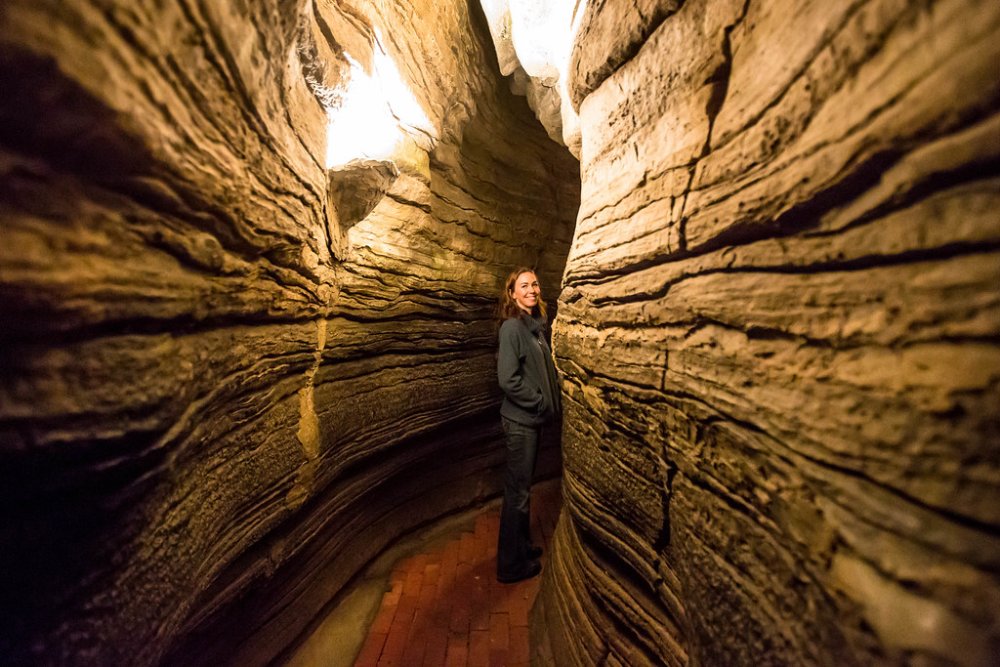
{"x": 778, "y": 338}
{"x": 226, "y": 386}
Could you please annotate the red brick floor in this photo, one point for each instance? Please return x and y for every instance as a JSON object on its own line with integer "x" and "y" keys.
{"x": 445, "y": 606}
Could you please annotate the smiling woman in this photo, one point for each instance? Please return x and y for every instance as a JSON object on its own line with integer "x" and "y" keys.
{"x": 527, "y": 376}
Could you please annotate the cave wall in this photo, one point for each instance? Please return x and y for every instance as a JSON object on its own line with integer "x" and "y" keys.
{"x": 219, "y": 400}
{"x": 778, "y": 338}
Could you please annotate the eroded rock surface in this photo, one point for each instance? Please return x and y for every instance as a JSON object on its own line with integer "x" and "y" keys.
{"x": 778, "y": 335}
{"x": 220, "y": 398}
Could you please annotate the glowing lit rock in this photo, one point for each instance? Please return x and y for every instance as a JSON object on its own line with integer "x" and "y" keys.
{"x": 374, "y": 112}
{"x": 499, "y": 20}
{"x": 535, "y": 37}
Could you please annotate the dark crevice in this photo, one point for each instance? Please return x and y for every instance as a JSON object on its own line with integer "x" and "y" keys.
{"x": 873, "y": 261}
{"x": 922, "y": 189}
{"x": 399, "y": 199}
{"x": 939, "y": 253}
{"x": 34, "y": 322}
{"x": 663, "y": 538}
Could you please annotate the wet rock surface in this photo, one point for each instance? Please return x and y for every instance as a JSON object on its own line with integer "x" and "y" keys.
{"x": 225, "y": 389}
{"x": 778, "y": 337}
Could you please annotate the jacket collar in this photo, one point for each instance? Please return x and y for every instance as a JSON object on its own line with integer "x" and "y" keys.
{"x": 536, "y": 325}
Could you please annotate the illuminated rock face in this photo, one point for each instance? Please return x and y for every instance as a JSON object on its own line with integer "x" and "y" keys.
{"x": 778, "y": 334}
{"x": 225, "y": 387}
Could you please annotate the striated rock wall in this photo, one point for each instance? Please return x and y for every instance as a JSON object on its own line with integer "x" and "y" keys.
{"x": 778, "y": 337}
{"x": 228, "y": 381}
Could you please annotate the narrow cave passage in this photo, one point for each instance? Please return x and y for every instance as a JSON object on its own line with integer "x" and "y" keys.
{"x": 249, "y": 261}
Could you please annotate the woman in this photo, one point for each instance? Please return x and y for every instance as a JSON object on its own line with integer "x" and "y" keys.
{"x": 528, "y": 378}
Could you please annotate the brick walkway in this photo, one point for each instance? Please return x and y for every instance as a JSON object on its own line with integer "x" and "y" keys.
{"x": 445, "y": 607}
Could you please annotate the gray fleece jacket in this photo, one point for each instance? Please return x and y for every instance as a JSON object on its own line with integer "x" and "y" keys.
{"x": 526, "y": 373}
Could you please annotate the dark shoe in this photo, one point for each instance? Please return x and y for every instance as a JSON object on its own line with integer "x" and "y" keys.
{"x": 534, "y": 553}
{"x": 532, "y": 570}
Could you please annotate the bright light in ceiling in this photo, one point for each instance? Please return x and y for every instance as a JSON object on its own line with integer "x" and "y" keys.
{"x": 377, "y": 111}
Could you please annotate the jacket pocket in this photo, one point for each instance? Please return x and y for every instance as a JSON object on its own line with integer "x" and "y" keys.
{"x": 542, "y": 406}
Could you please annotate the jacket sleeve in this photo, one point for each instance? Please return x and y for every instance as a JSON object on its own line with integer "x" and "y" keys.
{"x": 509, "y": 374}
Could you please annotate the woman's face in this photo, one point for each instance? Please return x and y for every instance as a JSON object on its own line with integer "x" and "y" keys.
{"x": 526, "y": 291}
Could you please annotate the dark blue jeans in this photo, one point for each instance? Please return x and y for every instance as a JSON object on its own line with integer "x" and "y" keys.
{"x": 515, "y": 516}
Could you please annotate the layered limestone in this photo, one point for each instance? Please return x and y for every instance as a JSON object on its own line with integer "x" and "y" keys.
{"x": 778, "y": 338}
{"x": 232, "y": 375}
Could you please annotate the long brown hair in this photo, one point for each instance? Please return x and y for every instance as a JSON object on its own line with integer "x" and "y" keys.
{"x": 507, "y": 307}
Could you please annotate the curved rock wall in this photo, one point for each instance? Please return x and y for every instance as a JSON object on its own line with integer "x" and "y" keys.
{"x": 226, "y": 383}
{"x": 778, "y": 335}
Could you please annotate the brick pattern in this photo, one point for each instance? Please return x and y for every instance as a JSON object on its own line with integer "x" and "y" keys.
{"x": 445, "y": 607}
